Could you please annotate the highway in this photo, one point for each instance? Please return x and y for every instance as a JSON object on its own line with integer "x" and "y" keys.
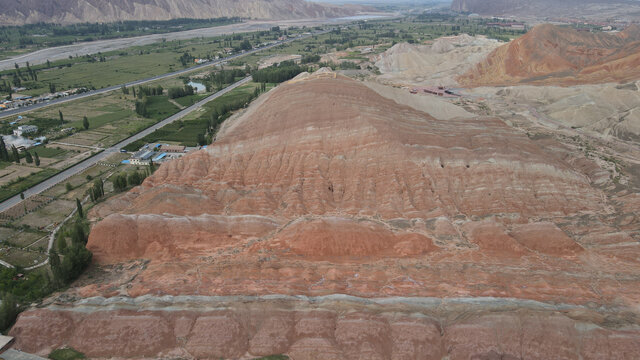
{"x": 83, "y": 165}
{"x": 18, "y": 111}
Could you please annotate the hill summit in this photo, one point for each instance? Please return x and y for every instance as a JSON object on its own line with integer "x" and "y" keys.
{"x": 554, "y": 55}
{"x": 329, "y": 222}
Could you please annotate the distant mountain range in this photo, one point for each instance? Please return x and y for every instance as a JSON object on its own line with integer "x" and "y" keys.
{"x": 550, "y": 8}
{"x": 17, "y": 12}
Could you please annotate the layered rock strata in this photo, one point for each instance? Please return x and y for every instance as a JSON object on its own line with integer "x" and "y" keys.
{"x": 552, "y": 55}
{"x": 324, "y": 187}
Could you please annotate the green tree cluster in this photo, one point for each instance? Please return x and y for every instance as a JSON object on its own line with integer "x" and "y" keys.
{"x": 97, "y": 190}
{"x": 308, "y": 59}
{"x": 149, "y": 91}
{"x": 223, "y": 77}
{"x": 119, "y": 182}
{"x": 79, "y": 208}
{"x": 122, "y": 181}
{"x": 223, "y": 111}
{"x": 178, "y": 92}
{"x": 135, "y": 178}
{"x": 141, "y": 107}
{"x": 278, "y": 73}
{"x": 9, "y": 310}
{"x": 186, "y": 59}
{"x": 4, "y": 153}
{"x": 75, "y": 257}
{"x": 16, "y": 155}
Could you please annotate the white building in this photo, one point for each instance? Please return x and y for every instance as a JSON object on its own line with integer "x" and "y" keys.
{"x": 25, "y": 130}
{"x": 136, "y": 161}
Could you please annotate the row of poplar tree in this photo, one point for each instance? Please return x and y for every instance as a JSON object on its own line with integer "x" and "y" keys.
{"x": 12, "y": 154}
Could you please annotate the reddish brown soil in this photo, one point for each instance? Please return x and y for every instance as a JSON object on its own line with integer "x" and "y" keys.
{"x": 259, "y": 330}
{"x": 325, "y": 187}
{"x": 552, "y": 55}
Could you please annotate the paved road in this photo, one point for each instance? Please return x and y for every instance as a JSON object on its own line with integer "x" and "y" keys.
{"x": 11, "y": 112}
{"x": 13, "y": 354}
{"x": 83, "y": 165}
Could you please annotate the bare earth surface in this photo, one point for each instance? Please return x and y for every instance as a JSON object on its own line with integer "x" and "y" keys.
{"x": 604, "y": 110}
{"x": 330, "y": 222}
{"x": 440, "y": 108}
{"x": 436, "y": 64}
{"x": 552, "y": 55}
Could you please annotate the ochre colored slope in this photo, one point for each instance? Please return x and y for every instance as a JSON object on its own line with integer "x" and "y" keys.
{"x": 552, "y": 55}
{"x": 325, "y": 169}
{"x": 460, "y": 238}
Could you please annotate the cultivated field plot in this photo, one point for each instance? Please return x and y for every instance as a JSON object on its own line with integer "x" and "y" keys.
{"x": 72, "y": 159}
{"x": 112, "y": 113}
{"x": 49, "y": 151}
{"x": 83, "y": 139}
{"x": 32, "y": 203}
{"x": 50, "y": 155}
{"x": 20, "y": 238}
{"x": 121, "y": 69}
{"x": 48, "y": 215}
{"x": 7, "y": 233}
{"x": 14, "y": 171}
{"x": 83, "y": 181}
{"x": 22, "y": 258}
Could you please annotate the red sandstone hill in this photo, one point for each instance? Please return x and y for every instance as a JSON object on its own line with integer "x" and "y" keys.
{"x": 460, "y": 239}
{"x": 555, "y": 55}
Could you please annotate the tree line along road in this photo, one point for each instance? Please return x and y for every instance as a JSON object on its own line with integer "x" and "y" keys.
{"x": 85, "y": 164}
{"x": 18, "y": 111}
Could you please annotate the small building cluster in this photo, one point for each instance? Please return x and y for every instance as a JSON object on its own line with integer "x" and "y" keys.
{"x": 18, "y": 101}
{"x": 435, "y": 90}
{"x": 24, "y": 130}
{"x": 507, "y": 25}
{"x": 22, "y": 137}
{"x": 158, "y": 153}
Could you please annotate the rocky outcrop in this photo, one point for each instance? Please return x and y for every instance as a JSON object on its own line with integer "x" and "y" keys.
{"x": 437, "y": 64}
{"x": 324, "y": 187}
{"x": 317, "y": 328}
{"x": 553, "y": 55}
{"x": 17, "y": 12}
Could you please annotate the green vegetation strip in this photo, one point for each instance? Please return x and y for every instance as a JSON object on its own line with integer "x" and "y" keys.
{"x": 22, "y": 184}
{"x": 191, "y": 132}
{"x": 66, "y": 354}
